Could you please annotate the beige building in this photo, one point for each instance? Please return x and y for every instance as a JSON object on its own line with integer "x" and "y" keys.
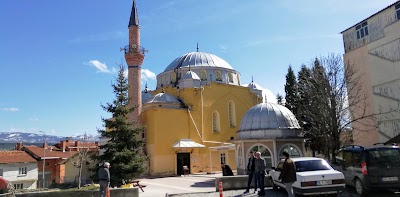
{"x": 373, "y": 46}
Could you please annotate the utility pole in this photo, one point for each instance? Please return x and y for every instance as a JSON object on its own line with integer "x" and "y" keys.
{"x": 44, "y": 158}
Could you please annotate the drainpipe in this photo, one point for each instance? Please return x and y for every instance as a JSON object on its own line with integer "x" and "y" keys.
{"x": 202, "y": 113}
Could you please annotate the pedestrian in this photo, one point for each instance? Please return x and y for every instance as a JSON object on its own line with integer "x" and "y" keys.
{"x": 185, "y": 170}
{"x": 104, "y": 179}
{"x": 288, "y": 174}
{"x": 259, "y": 170}
{"x": 250, "y": 172}
{"x": 226, "y": 170}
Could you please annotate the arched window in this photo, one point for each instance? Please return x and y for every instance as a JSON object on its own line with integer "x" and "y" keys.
{"x": 265, "y": 153}
{"x": 215, "y": 122}
{"x": 292, "y": 149}
{"x": 232, "y": 114}
{"x": 230, "y": 77}
{"x": 203, "y": 75}
{"x": 239, "y": 157}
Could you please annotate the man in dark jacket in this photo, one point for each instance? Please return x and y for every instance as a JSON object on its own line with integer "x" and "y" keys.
{"x": 260, "y": 166}
{"x": 104, "y": 179}
{"x": 288, "y": 174}
{"x": 226, "y": 170}
{"x": 250, "y": 171}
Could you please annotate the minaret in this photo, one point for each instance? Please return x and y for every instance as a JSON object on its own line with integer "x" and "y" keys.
{"x": 134, "y": 55}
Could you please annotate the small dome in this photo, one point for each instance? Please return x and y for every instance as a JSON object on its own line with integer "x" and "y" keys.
{"x": 198, "y": 59}
{"x": 164, "y": 98}
{"x": 255, "y": 86}
{"x": 268, "y": 116}
{"x": 146, "y": 97}
{"x": 190, "y": 75}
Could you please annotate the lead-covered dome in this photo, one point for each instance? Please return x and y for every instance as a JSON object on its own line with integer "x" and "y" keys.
{"x": 198, "y": 59}
{"x": 164, "y": 98}
{"x": 268, "y": 116}
{"x": 269, "y": 121}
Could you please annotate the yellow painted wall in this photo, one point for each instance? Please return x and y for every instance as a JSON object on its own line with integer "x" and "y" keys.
{"x": 166, "y": 126}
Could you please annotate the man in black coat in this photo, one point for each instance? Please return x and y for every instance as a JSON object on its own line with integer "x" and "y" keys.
{"x": 250, "y": 172}
{"x": 288, "y": 174}
{"x": 226, "y": 170}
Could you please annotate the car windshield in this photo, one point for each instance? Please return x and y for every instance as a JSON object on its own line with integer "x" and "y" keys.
{"x": 384, "y": 157}
{"x": 312, "y": 165}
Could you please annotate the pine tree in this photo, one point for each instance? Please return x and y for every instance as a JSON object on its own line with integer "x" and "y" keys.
{"x": 124, "y": 150}
{"x": 291, "y": 91}
{"x": 279, "y": 99}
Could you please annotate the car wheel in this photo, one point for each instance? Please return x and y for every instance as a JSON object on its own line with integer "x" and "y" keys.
{"x": 360, "y": 189}
{"x": 274, "y": 187}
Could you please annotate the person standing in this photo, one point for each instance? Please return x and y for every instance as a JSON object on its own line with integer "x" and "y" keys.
{"x": 288, "y": 174}
{"x": 259, "y": 170}
{"x": 104, "y": 179}
{"x": 250, "y": 172}
{"x": 226, "y": 170}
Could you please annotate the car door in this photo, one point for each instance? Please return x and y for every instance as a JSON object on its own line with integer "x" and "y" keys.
{"x": 276, "y": 174}
{"x": 348, "y": 167}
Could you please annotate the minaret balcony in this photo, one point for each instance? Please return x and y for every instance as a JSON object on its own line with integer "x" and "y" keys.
{"x": 134, "y": 49}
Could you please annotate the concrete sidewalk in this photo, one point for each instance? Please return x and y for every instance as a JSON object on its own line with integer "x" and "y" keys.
{"x": 235, "y": 193}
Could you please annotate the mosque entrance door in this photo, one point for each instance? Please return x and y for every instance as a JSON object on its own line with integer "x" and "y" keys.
{"x": 183, "y": 159}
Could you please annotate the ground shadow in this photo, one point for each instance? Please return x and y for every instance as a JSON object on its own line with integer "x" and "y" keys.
{"x": 207, "y": 183}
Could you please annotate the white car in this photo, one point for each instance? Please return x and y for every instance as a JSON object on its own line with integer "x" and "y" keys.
{"x": 314, "y": 177}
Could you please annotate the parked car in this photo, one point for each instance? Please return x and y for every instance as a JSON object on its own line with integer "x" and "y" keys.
{"x": 369, "y": 168}
{"x": 314, "y": 176}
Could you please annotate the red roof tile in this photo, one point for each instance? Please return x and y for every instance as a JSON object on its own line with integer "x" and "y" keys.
{"x": 54, "y": 153}
{"x": 15, "y": 157}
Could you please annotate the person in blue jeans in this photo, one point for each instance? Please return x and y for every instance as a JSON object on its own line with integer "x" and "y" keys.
{"x": 250, "y": 171}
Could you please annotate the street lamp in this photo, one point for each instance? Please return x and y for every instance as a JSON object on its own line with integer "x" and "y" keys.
{"x": 44, "y": 157}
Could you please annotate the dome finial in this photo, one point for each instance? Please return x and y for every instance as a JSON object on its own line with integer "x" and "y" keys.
{"x": 197, "y": 47}
{"x": 252, "y": 79}
{"x": 145, "y": 88}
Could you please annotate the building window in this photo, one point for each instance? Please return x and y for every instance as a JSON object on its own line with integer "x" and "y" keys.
{"x": 143, "y": 133}
{"x": 203, "y": 75}
{"x": 173, "y": 77}
{"x": 362, "y": 30}
{"x": 218, "y": 76}
{"x": 215, "y": 122}
{"x": 22, "y": 171}
{"x": 232, "y": 114}
{"x": 1, "y": 172}
{"x": 265, "y": 153}
{"x": 397, "y": 7}
{"x": 223, "y": 158}
{"x": 293, "y": 151}
{"x": 18, "y": 185}
{"x": 230, "y": 76}
{"x": 239, "y": 156}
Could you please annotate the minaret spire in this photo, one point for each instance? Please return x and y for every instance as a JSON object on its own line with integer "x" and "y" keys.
{"x": 134, "y": 20}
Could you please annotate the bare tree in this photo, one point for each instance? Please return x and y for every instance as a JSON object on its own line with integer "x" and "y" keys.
{"x": 336, "y": 89}
{"x": 83, "y": 151}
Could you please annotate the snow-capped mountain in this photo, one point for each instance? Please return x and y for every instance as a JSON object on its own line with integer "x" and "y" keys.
{"x": 13, "y": 137}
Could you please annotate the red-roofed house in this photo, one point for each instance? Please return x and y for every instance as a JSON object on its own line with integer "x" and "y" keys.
{"x": 19, "y": 168}
{"x": 53, "y": 157}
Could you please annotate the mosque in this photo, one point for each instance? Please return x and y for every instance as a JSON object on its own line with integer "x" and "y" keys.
{"x": 200, "y": 114}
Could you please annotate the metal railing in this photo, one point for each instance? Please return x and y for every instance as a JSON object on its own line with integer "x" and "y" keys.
{"x": 11, "y": 194}
{"x": 134, "y": 49}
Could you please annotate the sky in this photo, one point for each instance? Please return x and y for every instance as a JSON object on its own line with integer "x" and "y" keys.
{"x": 58, "y": 59}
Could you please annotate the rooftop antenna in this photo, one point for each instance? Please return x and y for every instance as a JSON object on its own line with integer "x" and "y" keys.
{"x": 197, "y": 47}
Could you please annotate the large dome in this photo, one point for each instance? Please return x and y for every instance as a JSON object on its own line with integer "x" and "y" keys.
{"x": 267, "y": 116}
{"x": 197, "y": 59}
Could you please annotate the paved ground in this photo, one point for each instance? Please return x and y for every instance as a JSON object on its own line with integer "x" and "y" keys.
{"x": 203, "y": 186}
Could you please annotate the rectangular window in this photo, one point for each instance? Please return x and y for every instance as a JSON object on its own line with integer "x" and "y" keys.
{"x": 1, "y": 172}
{"x": 398, "y": 11}
{"x": 362, "y": 30}
{"x": 22, "y": 171}
{"x": 223, "y": 158}
{"x": 19, "y": 186}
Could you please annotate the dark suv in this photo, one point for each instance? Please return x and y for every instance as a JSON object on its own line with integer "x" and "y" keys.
{"x": 373, "y": 167}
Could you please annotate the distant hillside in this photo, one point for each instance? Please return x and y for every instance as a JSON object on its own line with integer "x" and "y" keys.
{"x": 11, "y": 146}
{"x": 13, "y": 137}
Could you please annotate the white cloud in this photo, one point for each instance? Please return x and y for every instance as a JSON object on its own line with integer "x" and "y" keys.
{"x": 10, "y": 109}
{"x": 101, "y": 67}
{"x": 147, "y": 74}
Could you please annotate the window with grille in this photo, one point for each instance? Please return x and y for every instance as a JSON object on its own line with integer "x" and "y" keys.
{"x": 232, "y": 114}
{"x": 223, "y": 158}
{"x": 22, "y": 171}
{"x": 18, "y": 185}
{"x": 215, "y": 121}
{"x": 362, "y": 30}
{"x": 1, "y": 172}
{"x": 397, "y": 7}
